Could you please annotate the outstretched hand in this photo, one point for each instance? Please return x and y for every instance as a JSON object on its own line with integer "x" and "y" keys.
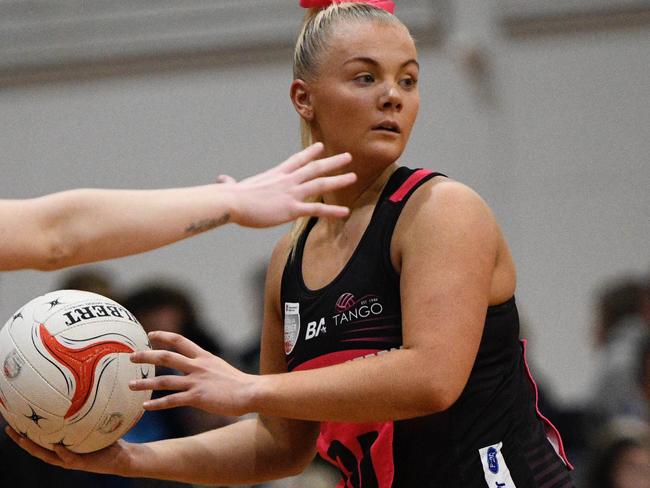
{"x": 113, "y": 459}
{"x": 208, "y": 382}
{"x": 278, "y": 195}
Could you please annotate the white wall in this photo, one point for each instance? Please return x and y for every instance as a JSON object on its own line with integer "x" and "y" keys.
{"x": 578, "y": 112}
{"x": 146, "y": 132}
{"x": 560, "y": 151}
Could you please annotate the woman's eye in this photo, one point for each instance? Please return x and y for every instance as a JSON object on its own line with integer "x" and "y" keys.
{"x": 365, "y": 78}
{"x": 409, "y": 82}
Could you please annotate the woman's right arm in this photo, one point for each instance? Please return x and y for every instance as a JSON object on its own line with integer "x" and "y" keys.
{"x": 246, "y": 452}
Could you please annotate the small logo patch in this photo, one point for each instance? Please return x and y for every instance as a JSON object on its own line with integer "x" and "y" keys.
{"x": 345, "y": 302}
{"x": 110, "y": 423}
{"x": 13, "y": 365}
{"x": 492, "y": 461}
{"x": 291, "y": 326}
{"x": 495, "y": 467}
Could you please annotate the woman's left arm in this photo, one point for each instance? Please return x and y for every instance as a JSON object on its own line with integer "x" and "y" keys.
{"x": 446, "y": 243}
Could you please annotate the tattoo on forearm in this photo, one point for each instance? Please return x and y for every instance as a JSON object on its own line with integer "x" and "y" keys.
{"x": 206, "y": 224}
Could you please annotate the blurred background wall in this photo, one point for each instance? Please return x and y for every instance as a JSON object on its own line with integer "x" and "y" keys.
{"x": 545, "y": 110}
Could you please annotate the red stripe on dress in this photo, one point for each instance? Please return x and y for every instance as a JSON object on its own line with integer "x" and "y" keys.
{"x": 390, "y": 339}
{"x": 349, "y": 434}
{"x": 552, "y": 433}
{"x": 408, "y": 185}
{"x": 334, "y": 358}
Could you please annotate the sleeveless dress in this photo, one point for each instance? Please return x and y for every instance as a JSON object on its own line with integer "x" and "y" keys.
{"x": 492, "y": 436}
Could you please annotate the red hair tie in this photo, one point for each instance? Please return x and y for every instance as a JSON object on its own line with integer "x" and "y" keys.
{"x": 387, "y": 5}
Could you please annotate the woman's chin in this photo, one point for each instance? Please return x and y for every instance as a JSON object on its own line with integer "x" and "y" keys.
{"x": 381, "y": 153}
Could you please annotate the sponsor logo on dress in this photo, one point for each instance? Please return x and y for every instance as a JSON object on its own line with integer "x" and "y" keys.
{"x": 291, "y": 326}
{"x": 344, "y": 302}
{"x": 495, "y": 468}
{"x": 492, "y": 461}
{"x": 350, "y": 309}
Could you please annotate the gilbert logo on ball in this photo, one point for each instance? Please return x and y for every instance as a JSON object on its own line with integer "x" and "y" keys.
{"x": 66, "y": 369}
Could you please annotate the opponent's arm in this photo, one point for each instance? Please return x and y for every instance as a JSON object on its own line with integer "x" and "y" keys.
{"x": 79, "y": 226}
{"x": 246, "y": 452}
{"x": 448, "y": 244}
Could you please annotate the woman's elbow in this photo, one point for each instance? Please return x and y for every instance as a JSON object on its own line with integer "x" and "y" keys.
{"x": 298, "y": 461}
{"x": 442, "y": 398}
{"x": 55, "y": 254}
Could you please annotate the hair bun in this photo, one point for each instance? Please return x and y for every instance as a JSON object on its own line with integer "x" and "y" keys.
{"x": 387, "y": 5}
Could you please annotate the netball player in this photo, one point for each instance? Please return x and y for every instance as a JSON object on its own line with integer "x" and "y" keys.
{"x": 390, "y": 341}
{"x": 80, "y": 226}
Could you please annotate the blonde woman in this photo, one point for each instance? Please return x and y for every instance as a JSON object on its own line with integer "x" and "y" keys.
{"x": 390, "y": 341}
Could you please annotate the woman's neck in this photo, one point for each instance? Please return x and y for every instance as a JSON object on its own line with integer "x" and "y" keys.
{"x": 364, "y": 192}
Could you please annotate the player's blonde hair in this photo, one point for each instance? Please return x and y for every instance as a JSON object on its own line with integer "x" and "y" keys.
{"x": 312, "y": 41}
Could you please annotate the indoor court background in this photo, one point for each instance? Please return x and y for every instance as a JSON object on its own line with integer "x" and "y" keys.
{"x": 542, "y": 107}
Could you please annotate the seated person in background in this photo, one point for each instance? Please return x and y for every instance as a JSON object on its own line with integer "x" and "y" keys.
{"x": 622, "y": 457}
{"x": 641, "y": 409}
{"x": 90, "y": 278}
{"x": 620, "y": 331}
{"x": 169, "y": 307}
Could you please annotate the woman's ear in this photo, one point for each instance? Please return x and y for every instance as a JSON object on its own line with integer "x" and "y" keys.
{"x": 301, "y": 99}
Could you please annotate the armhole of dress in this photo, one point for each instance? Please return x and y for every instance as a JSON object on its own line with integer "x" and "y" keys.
{"x": 395, "y": 203}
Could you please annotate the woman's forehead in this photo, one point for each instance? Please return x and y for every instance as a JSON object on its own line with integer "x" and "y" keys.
{"x": 370, "y": 40}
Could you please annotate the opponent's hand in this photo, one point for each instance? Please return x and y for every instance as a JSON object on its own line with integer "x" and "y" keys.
{"x": 208, "y": 382}
{"x": 277, "y": 195}
{"x": 113, "y": 459}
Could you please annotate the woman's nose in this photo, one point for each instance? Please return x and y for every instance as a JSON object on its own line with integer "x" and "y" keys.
{"x": 391, "y": 99}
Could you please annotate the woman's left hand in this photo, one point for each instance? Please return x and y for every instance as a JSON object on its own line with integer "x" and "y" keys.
{"x": 208, "y": 382}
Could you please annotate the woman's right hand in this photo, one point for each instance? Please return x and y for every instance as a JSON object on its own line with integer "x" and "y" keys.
{"x": 208, "y": 382}
{"x": 114, "y": 459}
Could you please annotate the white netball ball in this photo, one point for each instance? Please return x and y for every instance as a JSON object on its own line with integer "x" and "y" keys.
{"x": 66, "y": 369}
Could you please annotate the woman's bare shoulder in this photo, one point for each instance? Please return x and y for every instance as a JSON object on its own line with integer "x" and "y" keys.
{"x": 442, "y": 199}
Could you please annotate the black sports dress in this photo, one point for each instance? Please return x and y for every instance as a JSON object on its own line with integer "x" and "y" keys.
{"x": 492, "y": 436}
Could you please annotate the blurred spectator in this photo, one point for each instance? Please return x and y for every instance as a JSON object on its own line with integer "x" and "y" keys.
{"x": 645, "y": 301}
{"x": 622, "y": 458}
{"x": 620, "y": 331}
{"x": 249, "y": 356}
{"x": 90, "y": 278}
{"x": 170, "y": 308}
{"x": 642, "y": 410}
{"x": 618, "y": 303}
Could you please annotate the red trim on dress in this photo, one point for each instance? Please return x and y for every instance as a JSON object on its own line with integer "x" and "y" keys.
{"x": 408, "y": 185}
{"x": 552, "y": 433}
{"x": 381, "y": 451}
{"x": 334, "y": 358}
